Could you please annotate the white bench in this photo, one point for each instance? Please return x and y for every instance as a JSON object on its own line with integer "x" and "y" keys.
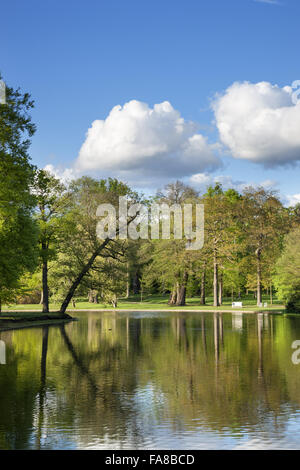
{"x": 237, "y": 304}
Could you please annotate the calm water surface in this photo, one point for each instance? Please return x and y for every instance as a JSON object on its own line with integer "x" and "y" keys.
{"x": 152, "y": 381}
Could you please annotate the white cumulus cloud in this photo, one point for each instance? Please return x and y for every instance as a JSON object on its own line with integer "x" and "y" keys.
{"x": 293, "y": 199}
{"x": 137, "y": 141}
{"x": 202, "y": 180}
{"x": 259, "y": 122}
{"x": 64, "y": 174}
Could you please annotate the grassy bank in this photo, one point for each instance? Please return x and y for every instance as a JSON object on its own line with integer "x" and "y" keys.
{"x": 152, "y": 302}
{"x": 21, "y": 319}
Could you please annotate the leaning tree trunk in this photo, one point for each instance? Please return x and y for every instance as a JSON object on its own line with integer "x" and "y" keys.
{"x": 258, "y": 264}
{"x": 215, "y": 286}
{"x": 80, "y": 276}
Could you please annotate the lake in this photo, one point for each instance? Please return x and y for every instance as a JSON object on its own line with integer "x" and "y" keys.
{"x": 120, "y": 380}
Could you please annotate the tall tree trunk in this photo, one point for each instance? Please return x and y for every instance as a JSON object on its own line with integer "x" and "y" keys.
{"x": 142, "y": 292}
{"x": 127, "y": 282}
{"x": 45, "y": 281}
{"x": 96, "y": 298}
{"x": 80, "y": 276}
{"x": 173, "y": 296}
{"x": 203, "y": 278}
{"x": 271, "y": 293}
{"x": 90, "y": 296}
{"x": 215, "y": 286}
{"x": 181, "y": 296}
{"x": 114, "y": 301}
{"x": 136, "y": 283}
{"x": 221, "y": 290}
{"x": 258, "y": 264}
{"x": 181, "y": 293}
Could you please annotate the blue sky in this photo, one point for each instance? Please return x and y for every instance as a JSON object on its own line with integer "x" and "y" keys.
{"x": 80, "y": 59}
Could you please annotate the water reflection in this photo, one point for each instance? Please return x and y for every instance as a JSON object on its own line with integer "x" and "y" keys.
{"x": 150, "y": 380}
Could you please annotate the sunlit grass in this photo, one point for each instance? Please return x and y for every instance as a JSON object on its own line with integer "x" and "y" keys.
{"x": 155, "y": 302}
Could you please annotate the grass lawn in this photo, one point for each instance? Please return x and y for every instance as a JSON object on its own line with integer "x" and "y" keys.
{"x": 151, "y": 302}
{"x": 21, "y": 319}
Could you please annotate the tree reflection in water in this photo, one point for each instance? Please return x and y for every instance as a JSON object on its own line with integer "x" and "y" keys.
{"x": 137, "y": 380}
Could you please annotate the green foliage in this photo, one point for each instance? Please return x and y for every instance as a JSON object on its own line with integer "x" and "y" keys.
{"x": 287, "y": 277}
{"x": 18, "y": 231}
{"x": 51, "y": 206}
{"x": 79, "y": 243}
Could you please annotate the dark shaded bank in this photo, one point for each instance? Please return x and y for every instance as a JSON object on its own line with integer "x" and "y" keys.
{"x": 28, "y": 319}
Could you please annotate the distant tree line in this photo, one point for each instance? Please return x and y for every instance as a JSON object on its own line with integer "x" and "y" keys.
{"x": 49, "y": 249}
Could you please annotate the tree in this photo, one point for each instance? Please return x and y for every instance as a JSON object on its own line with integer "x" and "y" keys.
{"x": 51, "y": 205}
{"x": 176, "y": 193}
{"x": 170, "y": 265}
{"x": 265, "y": 222}
{"x": 287, "y": 276}
{"x": 30, "y": 288}
{"x": 221, "y": 231}
{"x": 109, "y": 278}
{"x": 80, "y": 245}
{"x": 18, "y": 231}
{"x": 171, "y": 262}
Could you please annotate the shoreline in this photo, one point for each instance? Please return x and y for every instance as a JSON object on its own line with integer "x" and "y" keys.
{"x": 167, "y": 310}
{"x": 177, "y": 309}
{"x": 9, "y": 322}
